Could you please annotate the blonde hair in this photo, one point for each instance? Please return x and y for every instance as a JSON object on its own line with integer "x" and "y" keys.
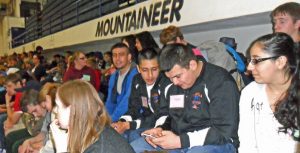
{"x": 88, "y": 116}
{"x": 48, "y": 89}
{"x": 71, "y": 60}
{"x": 77, "y": 54}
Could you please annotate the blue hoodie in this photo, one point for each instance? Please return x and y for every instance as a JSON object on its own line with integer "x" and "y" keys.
{"x": 117, "y": 104}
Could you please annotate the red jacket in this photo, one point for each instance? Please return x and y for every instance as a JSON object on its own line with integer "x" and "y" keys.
{"x": 17, "y": 104}
{"x": 98, "y": 79}
{"x": 85, "y": 73}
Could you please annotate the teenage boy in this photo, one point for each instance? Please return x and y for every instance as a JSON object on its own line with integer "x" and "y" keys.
{"x": 144, "y": 101}
{"x": 286, "y": 19}
{"x": 203, "y": 107}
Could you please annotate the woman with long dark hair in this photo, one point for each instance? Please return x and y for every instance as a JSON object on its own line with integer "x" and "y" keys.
{"x": 144, "y": 40}
{"x": 269, "y": 106}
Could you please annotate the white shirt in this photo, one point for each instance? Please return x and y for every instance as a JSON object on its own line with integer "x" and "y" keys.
{"x": 258, "y": 128}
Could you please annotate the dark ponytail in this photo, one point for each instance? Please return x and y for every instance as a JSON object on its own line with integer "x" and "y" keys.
{"x": 288, "y": 110}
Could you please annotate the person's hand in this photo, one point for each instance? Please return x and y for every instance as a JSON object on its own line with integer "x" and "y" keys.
{"x": 60, "y": 137}
{"x": 121, "y": 127}
{"x": 7, "y": 99}
{"x": 168, "y": 140}
{"x": 25, "y": 147}
{"x": 155, "y": 132}
{"x": 114, "y": 125}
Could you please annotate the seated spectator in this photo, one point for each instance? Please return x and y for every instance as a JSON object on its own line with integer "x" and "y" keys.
{"x": 32, "y": 119}
{"x": 28, "y": 82}
{"x": 42, "y": 142}
{"x": 203, "y": 107}
{"x": 144, "y": 40}
{"x": 12, "y": 122}
{"x": 91, "y": 63}
{"x": 269, "y": 105}
{"x": 286, "y": 18}
{"x": 106, "y": 73}
{"x": 82, "y": 113}
{"x": 120, "y": 82}
{"x": 144, "y": 102}
{"x": 27, "y": 64}
{"x": 172, "y": 34}
{"x": 55, "y": 61}
{"x": 12, "y": 65}
{"x": 2, "y": 95}
{"x": 15, "y": 84}
{"x": 39, "y": 71}
{"x": 80, "y": 70}
{"x": 68, "y": 55}
{"x": 129, "y": 41}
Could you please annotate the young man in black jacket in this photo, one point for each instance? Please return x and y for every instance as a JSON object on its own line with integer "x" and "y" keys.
{"x": 203, "y": 107}
{"x": 144, "y": 102}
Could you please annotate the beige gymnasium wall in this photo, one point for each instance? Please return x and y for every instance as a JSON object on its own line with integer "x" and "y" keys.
{"x": 5, "y": 35}
{"x": 207, "y": 11}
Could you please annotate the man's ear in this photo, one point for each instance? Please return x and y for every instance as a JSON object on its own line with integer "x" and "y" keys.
{"x": 138, "y": 68}
{"x": 178, "y": 40}
{"x": 298, "y": 25}
{"x": 129, "y": 57}
{"x": 193, "y": 65}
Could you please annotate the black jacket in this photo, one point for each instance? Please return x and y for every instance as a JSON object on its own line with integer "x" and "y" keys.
{"x": 39, "y": 72}
{"x": 109, "y": 141}
{"x": 139, "y": 107}
{"x": 212, "y": 102}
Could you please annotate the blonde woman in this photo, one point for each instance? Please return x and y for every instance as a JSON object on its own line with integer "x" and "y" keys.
{"x": 80, "y": 70}
{"x": 82, "y": 114}
{"x": 42, "y": 142}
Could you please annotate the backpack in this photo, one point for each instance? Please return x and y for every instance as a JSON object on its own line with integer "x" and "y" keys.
{"x": 224, "y": 56}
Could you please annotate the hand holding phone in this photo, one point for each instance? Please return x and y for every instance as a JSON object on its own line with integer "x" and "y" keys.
{"x": 148, "y": 135}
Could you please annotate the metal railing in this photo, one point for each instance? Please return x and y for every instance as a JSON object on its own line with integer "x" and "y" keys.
{"x": 75, "y": 12}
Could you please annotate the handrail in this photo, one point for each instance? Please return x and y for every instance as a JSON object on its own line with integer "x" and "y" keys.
{"x": 57, "y": 20}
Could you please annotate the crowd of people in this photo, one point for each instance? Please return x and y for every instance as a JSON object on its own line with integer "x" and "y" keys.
{"x": 138, "y": 97}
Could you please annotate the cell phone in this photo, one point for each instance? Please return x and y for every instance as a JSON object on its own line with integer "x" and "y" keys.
{"x": 148, "y": 135}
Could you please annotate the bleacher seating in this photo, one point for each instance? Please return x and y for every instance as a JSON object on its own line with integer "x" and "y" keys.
{"x": 58, "y": 15}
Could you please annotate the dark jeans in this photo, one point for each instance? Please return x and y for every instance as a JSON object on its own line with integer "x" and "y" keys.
{"x": 131, "y": 135}
{"x": 140, "y": 145}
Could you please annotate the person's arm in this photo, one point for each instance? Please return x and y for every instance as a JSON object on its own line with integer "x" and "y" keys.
{"x": 34, "y": 143}
{"x": 163, "y": 111}
{"x": 3, "y": 108}
{"x": 8, "y": 106}
{"x": 12, "y": 115}
{"x": 224, "y": 123}
{"x": 10, "y": 122}
{"x": 109, "y": 104}
{"x": 134, "y": 105}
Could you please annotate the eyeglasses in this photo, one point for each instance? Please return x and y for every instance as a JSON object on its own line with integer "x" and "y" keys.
{"x": 82, "y": 58}
{"x": 255, "y": 61}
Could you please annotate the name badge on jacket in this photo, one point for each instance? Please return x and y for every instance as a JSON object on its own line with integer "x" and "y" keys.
{"x": 86, "y": 77}
{"x": 144, "y": 101}
{"x": 177, "y": 101}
